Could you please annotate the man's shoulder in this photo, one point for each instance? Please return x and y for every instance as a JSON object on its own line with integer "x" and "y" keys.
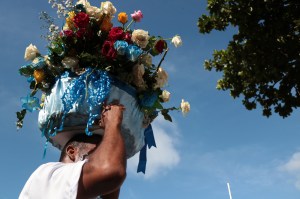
{"x": 49, "y": 165}
{"x": 58, "y": 165}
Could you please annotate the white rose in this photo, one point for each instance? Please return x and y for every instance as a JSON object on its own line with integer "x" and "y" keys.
{"x": 138, "y": 80}
{"x": 176, "y": 40}
{"x": 70, "y": 62}
{"x": 185, "y": 107}
{"x": 161, "y": 78}
{"x": 93, "y": 11}
{"x": 140, "y": 37}
{"x": 146, "y": 60}
{"x": 108, "y": 8}
{"x": 85, "y": 3}
{"x": 31, "y": 52}
{"x": 165, "y": 96}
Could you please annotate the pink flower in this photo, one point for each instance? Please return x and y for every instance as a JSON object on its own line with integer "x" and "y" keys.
{"x": 137, "y": 16}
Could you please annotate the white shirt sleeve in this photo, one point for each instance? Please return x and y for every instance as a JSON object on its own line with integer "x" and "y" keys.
{"x": 53, "y": 180}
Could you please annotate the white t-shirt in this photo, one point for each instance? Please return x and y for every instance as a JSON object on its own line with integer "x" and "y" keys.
{"x": 54, "y": 180}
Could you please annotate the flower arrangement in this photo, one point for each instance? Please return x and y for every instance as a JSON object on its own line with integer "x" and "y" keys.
{"x": 88, "y": 39}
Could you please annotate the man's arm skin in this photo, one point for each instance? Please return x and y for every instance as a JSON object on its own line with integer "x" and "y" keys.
{"x": 105, "y": 170}
{"x": 113, "y": 195}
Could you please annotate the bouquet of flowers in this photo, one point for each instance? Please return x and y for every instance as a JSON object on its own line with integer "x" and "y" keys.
{"x": 89, "y": 48}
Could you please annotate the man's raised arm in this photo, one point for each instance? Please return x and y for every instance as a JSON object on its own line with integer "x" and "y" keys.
{"x": 105, "y": 170}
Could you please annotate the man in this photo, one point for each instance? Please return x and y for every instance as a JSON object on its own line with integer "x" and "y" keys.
{"x": 88, "y": 167}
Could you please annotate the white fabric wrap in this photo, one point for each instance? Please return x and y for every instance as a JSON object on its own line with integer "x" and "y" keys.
{"x": 76, "y": 120}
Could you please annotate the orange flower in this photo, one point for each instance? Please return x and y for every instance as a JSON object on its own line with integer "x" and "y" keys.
{"x": 122, "y": 17}
{"x": 39, "y": 75}
{"x": 106, "y": 24}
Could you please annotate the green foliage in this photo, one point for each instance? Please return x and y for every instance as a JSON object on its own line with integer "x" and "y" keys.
{"x": 20, "y": 116}
{"x": 262, "y": 61}
{"x": 26, "y": 70}
{"x": 166, "y": 115}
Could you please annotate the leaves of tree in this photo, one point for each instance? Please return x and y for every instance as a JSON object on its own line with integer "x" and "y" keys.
{"x": 262, "y": 61}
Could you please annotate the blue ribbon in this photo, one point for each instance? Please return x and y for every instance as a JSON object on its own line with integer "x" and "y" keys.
{"x": 149, "y": 141}
{"x": 45, "y": 148}
{"x": 149, "y": 137}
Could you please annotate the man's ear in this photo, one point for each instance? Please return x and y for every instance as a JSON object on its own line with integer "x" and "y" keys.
{"x": 71, "y": 152}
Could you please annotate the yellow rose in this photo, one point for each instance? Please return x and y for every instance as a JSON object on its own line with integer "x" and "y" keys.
{"x": 122, "y": 17}
{"x": 71, "y": 15}
{"x": 69, "y": 20}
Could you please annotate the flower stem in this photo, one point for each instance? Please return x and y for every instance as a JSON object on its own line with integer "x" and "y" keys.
{"x": 129, "y": 25}
{"x": 34, "y": 90}
{"x": 162, "y": 59}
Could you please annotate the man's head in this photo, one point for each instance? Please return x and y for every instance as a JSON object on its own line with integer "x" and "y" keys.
{"x": 78, "y": 147}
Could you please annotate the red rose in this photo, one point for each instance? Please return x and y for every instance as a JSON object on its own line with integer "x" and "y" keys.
{"x": 68, "y": 33}
{"x": 108, "y": 50}
{"x": 81, "y": 20}
{"x": 160, "y": 45}
{"x": 116, "y": 33}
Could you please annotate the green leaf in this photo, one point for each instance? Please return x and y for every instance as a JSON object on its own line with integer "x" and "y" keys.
{"x": 158, "y": 105}
{"x": 88, "y": 59}
{"x": 166, "y": 115}
{"x": 32, "y": 85}
{"x": 261, "y": 61}
{"x": 26, "y": 70}
{"x": 20, "y": 116}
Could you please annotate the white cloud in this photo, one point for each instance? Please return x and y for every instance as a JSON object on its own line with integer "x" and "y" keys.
{"x": 293, "y": 167}
{"x": 165, "y": 156}
{"x": 241, "y": 165}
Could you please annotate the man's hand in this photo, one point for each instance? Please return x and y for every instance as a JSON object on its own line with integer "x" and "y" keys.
{"x": 111, "y": 115}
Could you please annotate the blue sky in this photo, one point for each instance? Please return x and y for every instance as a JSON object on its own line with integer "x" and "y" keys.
{"x": 218, "y": 142}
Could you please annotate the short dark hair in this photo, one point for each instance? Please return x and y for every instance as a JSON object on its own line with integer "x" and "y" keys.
{"x": 80, "y": 141}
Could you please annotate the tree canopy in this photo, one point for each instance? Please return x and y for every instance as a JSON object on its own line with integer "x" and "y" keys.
{"x": 262, "y": 61}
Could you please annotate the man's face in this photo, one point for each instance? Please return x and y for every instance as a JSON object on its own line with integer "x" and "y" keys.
{"x": 81, "y": 147}
{"x": 85, "y": 151}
